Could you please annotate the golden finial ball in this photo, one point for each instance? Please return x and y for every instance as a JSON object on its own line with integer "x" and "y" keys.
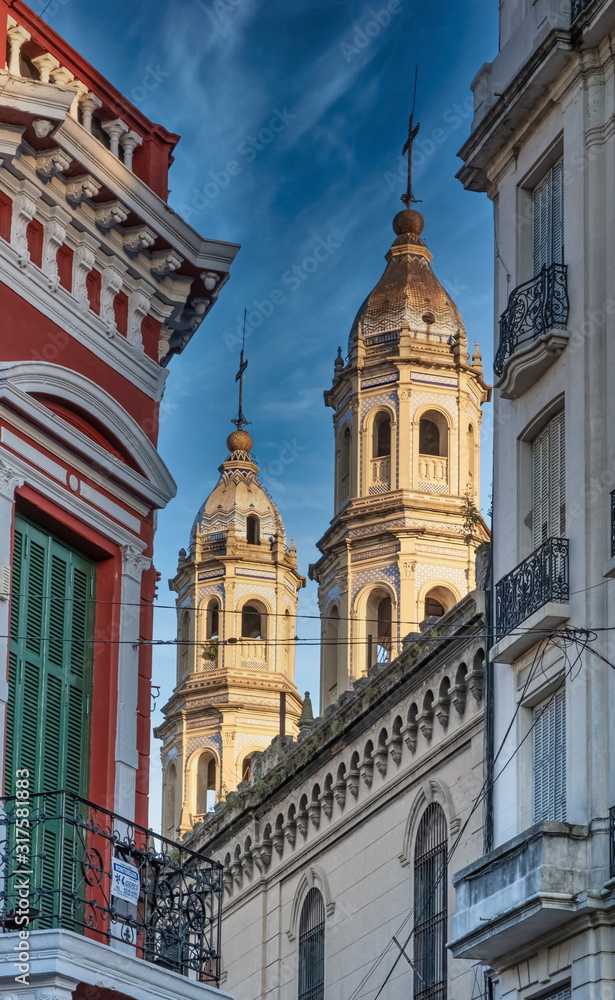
{"x": 239, "y": 441}
{"x": 408, "y": 222}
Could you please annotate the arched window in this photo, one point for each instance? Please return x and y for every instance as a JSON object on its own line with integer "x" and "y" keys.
{"x": 253, "y": 621}
{"x": 344, "y": 467}
{"x": 330, "y": 655}
{"x": 438, "y": 601}
{"x": 379, "y": 613}
{"x": 433, "y": 434}
{"x": 183, "y": 647}
{"x": 312, "y": 947}
{"x": 205, "y": 783}
{"x": 382, "y": 436}
{"x": 246, "y": 767}
{"x": 169, "y": 801}
{"x": 213, "y": 618}
{"x": 253, "y": 530}
{"x": 430, "y": 905}
{"x": 471, "y": 446}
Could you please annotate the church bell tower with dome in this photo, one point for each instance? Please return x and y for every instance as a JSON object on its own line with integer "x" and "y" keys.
{"x": 237, "y": 591}
{"x": 406, "y": 416}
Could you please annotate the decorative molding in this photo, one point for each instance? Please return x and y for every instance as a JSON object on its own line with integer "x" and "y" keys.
{"x": 314, "y": 878}
{"x": 81, "y": 189}
{"x": 10, "y": 479}
{"x": 52, "y": 163}
{"x": 164, "y": 262}
{"x": 138, "y": 238}
{"x": 134, "y": 563}
{"x": 110, "y": 215}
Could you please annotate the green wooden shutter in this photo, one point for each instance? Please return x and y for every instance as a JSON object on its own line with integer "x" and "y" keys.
{"x": 52, "y": 622}
{"x": 549, "y": 481}
{"x": 50, "y": 684}
{"x": 548, "y": 219}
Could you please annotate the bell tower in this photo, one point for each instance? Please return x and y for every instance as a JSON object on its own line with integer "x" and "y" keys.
{"x": 406, "y": 416}
{"x": 237, "y": 591}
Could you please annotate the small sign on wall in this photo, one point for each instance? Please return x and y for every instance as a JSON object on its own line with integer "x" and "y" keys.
{"x": 125, "y": 881}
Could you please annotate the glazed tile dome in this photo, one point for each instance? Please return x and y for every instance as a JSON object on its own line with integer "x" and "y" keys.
{"x": 237, "y": 494}
{"x": 408, "y": 291}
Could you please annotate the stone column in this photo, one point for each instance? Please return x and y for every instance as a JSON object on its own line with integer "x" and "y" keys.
{"x": 9, "y": 482}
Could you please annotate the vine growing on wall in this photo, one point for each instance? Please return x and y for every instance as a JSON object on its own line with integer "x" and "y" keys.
{"x": 471, "y": 515}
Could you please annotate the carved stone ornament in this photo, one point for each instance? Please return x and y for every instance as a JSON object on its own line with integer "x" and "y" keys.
{"x": 138, "y": 239}
{"x": 381, "y": 760}
{"x": 425, "y": 723}
{"x": 84, "y": 260}
{"x": 52, "y": 163}
{"x": 302, "y": 823}
{"x": 410, "y": 733}
{"x": 81, "y": 189}
{"x": 366, "y": 769}
{"x": 165, "y": 262}
{"x": 290, "y": 831}
{"x": 10, "y": 480}
{"x": 394, "y": 746}
{"x": 442, "y": 710}
{"x": 277, "y": 839}
{"x": 314, "y": 813}
{"x": 326, "y": 801}
{"x": 134, "y": 563}
{"x": 352, "y": 783}
{"x": 237, "y": 872}
{"x": 42, "y": 127}
{"x": 247, "y": 863}
{"x": 24, "y": 208}
{"x": 110, "y": 215}
{"x": 339, "y": 791}
{"x": 458, "y": 698}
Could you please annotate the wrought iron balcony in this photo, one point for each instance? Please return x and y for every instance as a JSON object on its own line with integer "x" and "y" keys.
{"x": 534, "y": 308}
{"x": 579, "y": 7}
{"x": 94, "y": 873}
{"x": 540, "y": 578}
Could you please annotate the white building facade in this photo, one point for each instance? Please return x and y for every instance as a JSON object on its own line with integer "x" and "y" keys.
{"x": 538, "y": 909}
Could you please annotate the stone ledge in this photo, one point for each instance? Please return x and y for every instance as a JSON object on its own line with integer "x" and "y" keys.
{"x": 530, "y": 362}
{"x": 529, "y": 632}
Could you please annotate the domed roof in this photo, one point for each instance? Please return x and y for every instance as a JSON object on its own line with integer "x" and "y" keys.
{"x": 408, "y": 291}
{"x": 238, "y": 493}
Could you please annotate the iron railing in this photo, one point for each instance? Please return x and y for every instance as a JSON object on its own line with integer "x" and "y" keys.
{"x": 541, "y": 577}
{"x": 77, "y": 859}
{"x": 613, "y": 523}
{"x": 579, "y": 7}
{"x": 533, "y": 308}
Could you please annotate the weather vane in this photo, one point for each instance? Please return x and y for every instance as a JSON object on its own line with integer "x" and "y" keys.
{"x": 413, "y": 130}
{"x": 240, "y": 421}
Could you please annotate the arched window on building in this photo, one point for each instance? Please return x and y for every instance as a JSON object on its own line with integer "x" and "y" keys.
{"x": 213, "y": 618}
{"x": 205, "y": 783}
{"x": 430, "y": 906}
{"x": 330, "y": 655}
{"x": 253, "y": 530}
{"x": 344, "y": 467}
{"x": 170, "y": 783}
{"x": 246, "y": 767}
{"x": 183, "y": 645}
{"x": 471, "y": 448}
{"x": 433, "y": 434}
{"x": 253, "y": 621}
{"x": 312, "y": 947}
{"x": 382, "y": 436}
{"x": 438, "y": 601}
{"x": 379, "y": 614}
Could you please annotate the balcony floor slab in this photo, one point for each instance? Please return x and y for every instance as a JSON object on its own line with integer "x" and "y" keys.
{"x": 60, "y": 955}
{"x": 530, "y": 362}
{"x": 529, "y": 632}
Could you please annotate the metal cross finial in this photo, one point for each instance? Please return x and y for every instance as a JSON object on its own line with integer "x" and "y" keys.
{"x": 240, "y": 421}
{"x": 413, "y": 130}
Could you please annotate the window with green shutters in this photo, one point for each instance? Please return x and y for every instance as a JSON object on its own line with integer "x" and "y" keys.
{"x": 50, "y": 687}
{"x": 52, "y": 625}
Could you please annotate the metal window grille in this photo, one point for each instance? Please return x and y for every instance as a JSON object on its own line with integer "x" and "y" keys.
{"x": 430, "y": 906}
{"x": 312, "y": 947}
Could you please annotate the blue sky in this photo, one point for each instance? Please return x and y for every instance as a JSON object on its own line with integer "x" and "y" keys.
{"x": 309, "y": 102}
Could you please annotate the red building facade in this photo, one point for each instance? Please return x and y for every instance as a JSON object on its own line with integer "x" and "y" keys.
{"x": 101, "y": 283}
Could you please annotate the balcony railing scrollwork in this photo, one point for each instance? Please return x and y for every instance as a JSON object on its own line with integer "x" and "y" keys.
{"x": 534, "y": 308}
{"x": 540, "y": 578}
{"x": 96, "y": 874}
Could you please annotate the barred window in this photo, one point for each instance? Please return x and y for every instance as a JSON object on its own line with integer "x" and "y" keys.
{"x": 312, "y": 947}
{"x": 430, "y": 905}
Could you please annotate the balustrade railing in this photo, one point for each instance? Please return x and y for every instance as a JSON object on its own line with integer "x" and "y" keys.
{"x": 533, "y": 308}
{"x": 380, "y": 475}
{"x": 540, "y": 578}
{"x": 433, "y": 470}
{"x": 95, "y": 873}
